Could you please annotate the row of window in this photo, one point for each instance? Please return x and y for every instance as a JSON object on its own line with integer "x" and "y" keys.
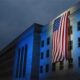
{"x": 71, "y": 43}
{"x": 47, "y": 54}
{"x": 70, "y": 28}
{"x": 21, "y": 62}
{"x": 61, "y": 65}
{"x": 48, "y": 42}
{"x": 69, "y": 47}
{"x": 70, "y": 32}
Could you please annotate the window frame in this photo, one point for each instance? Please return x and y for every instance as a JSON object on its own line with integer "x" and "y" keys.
{"x": 70, "y": 31}
{"x": 41, "y": 69}
{"x": 70, "y": 63}
{"x": 47, "y": 68}
{"x": 47, "y": 53}
{"x": 41, "y": 55}
{"x": 79, "y": 61}
{"x": 48, "y": 40}
{"x": 78, "y": 26}
{"x": 70, "y": 45}
{"x": 61, "y": 65}
{"x": 53, "y": 66}
{"x": 42, "y": 43}
{"x": 79, "y": 42}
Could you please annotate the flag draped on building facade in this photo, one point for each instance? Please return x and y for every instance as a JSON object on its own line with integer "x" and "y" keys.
{"x": 60, "y": 38}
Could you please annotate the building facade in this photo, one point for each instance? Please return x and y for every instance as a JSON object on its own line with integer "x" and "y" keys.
{"x": 29, "y": 57}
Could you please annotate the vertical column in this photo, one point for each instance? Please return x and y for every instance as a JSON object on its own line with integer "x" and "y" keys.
{"x": 21, "y": 62}
{"x": 24, "y": 63}
{"x": 17, "y": 68}
{"x": 36, "y": 54}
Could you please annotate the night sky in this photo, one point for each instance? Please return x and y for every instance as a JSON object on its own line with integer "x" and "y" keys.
{"x": 17, "y": 15}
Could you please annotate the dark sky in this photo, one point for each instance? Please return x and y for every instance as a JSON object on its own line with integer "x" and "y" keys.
{"x": 17, "y": 15}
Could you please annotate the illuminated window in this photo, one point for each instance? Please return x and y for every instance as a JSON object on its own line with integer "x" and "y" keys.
{"x": 41, "y": 69}
{"x": 53, "y": 67}
{"x": 47, "y": 53}
{"x": 70, "y": 63}
{"x": 70, "y": 45}
{"x": 79, "y": 61}
{"x": 79, "y": 42}
{"x": 61, "y": 65}
{"x": 42, "y": 54}
{"x": 42, "y": 43}
{"x": 48, "y": 41}
{"x": 78, "y": 26}
{"x": 47, "y": 68}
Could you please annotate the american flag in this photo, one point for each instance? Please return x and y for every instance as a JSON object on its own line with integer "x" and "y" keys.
{"x": 60, "y": 38}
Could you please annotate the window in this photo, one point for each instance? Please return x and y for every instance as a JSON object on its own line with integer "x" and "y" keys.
{"x": 78, "y": 26}
{"x": 21, "y": 62}
{"x": 61, "y": 65}
{"x": 18, "y": 58}
{"x": 70, "y": 45}
{"x": 70, "y": 30}
{"x": 53, "y": 67}
{"x": 42, "y": 43}
{"x": 42, "y": 55}
{"x": 47, "y": 68}
{"x": 47, "y": 53}
{"x": 48, "y": 41}
{"x": 70, "y": 63}
{"x": 41, "y": 69}
{"x": 25, "y": 58}
{"x": 79, "y": 42}
{"x": 79, "y": 61}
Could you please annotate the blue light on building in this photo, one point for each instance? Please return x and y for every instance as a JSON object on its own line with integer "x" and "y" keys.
{"x": 29, "y": 57}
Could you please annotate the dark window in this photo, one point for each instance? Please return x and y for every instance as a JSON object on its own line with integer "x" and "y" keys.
{"x": 70, "y": 30}
{"x": 25, "y": 58}
{"x": 61, "y": 65}
{"x": 70, "y": 63}
{"x": 79, "y": 42}
{"x": 47, "y": 68}
{"x": 48, "y": 41}
{"x": 78, "y": 26}
{"x": 47, "y": 53}
{"x": 21, "y": 62}
{"x": 42, "y": 55}
{"x": 70, "y": 45}
{"x": 79, "y": 61}
{"x": 42, "y": 43}
{"x": 53, "y": 67}
{"x": 18, "y": 58}
{"x": 41, "y": 69}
